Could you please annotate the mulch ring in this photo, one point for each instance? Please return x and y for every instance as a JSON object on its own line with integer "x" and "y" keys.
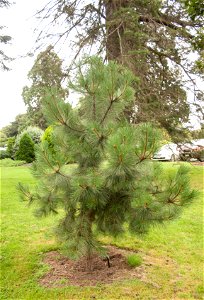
{"x": 197, "y": 163}
{"x": 65, "y": 271}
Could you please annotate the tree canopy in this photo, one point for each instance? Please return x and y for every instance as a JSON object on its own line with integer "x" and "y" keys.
{"x": 114, "y": 183}
{"x": 195, "y": 8}
{"x": 46, "y": 73}
{"x": 21, "y": 122}
{"x": 153, "y": 38}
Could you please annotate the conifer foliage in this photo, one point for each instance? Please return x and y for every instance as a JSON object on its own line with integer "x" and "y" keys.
{"x": 114, "y": 182}
{"x": 26, "y": 149}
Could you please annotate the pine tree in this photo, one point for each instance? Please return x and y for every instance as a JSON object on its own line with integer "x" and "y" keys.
{"x": 114, "y": 181}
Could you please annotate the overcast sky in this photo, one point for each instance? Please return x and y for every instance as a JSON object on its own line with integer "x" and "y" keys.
{"x": 20, "y": 23}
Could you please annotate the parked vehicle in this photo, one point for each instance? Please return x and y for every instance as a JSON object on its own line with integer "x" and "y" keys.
{"x": 193, "y": 150}
{"x": 168, "y": 152}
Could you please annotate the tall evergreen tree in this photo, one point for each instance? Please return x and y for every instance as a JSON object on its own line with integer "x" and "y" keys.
{"x": 46, "y": 72}
{"x": 26, "y": 149}
{"x": 153, "y": 38}
{"x": 114, "y": 182}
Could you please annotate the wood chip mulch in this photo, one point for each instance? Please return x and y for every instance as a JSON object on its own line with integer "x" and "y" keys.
{"x": 64, "y": 271}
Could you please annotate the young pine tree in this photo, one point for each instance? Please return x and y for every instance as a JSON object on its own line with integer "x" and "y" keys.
{"x": 114, "y": 182}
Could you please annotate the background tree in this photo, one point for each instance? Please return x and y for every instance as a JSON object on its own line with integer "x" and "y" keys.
{"x": 199, "y": 133}
{"x": 152, "y": 38}
{"x": 26, "y": 149}
{"x": 45, "y": 73}
{"x": 195, "y": 8}
{"x": 20, "y": 123}
{"x": 35, "y": 133}
{"x": 114, "y": 182}
{"x": 3, "y": 138}
{"x": 10, "y": 147}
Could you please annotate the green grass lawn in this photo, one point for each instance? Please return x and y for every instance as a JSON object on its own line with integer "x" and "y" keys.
{"x": 174, "y": 252}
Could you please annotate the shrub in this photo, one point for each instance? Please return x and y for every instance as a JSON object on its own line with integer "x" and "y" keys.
{"x": 4, "y": 154}
{"x": 34, "y": 133}
{"x": 8, "y": 162}
{"x": 48, "y": 136}
{"x": 10, "y": 147}
{"x": 3, "y": 139}
{"x": 26, "y": 149}
{"x": 134, "y": 260}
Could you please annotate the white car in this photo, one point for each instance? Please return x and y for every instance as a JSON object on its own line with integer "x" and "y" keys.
{"x": 168, "y": 152}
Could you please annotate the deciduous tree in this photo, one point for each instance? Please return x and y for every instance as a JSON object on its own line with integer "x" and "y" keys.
{"x": 21, "y": 122}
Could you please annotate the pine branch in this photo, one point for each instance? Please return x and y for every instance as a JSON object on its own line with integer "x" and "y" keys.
{"x": 145, "y": 146}
{"x": 98, "y": 10}
{"x": 25, "y": 193}
{"x": 112, "y": 101}
{"x": 166, "y": 22}
{"x": 60, "y": 119}
{"x": 171, "y": 200}
{"x": 177, "y": 20}
{"x": 151, "y": 150}
{"x": 193, "y": 81}
{"x": 56, "y": 170}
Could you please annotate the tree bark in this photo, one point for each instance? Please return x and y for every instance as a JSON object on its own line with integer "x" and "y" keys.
{"x": 114, "y": 29}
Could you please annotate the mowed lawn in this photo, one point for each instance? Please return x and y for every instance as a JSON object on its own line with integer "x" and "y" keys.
{"x": 174, "y": 251}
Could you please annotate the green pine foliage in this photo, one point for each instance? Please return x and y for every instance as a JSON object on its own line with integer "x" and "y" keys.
{"x": 114, "y": 183}
{"x": 26, "y": 149}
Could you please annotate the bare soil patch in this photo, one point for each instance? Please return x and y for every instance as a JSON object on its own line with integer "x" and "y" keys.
{"x": 65, "y": 271}
{"x": 197, "y": 163}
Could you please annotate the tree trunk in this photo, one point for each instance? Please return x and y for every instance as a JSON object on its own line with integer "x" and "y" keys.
{"x": 89, "y": 247}
{"x": 114, "y": 29}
